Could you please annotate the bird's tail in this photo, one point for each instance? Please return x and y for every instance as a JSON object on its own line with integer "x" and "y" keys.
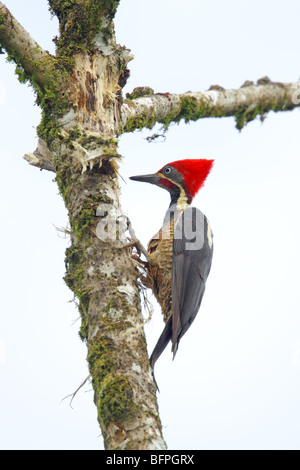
{"x": 174, "y": 349}
{"x": 162, "y": 343}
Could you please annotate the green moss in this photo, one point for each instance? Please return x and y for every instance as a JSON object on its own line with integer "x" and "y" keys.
{"x": 139, "y": 122}
{"x": 93, "y": 142}
{"x": 80, "y": 22}
{"x": 84, "y": 329}
{"x": 247, "y": 83}
{"x": 111, "y": 304}
{"x": 67, "y": 179}
{"x": 75, "y": 280}
{"x": 54, "y": 104}
{"x": 87, "y": 218}
{"x": 49, "y": 129}
{"x": 116, "y": 403}
{"x": 244, "y": 116}
{"x": 75, "y": 271}
{"x": 74, "y": 134}
{"x": 63, "y": 179}
{"x": 101, "y": 359}
{"x": 113, "y": 392}
{"x": 49, "y": 97}
{"x": 138, "y": 92}
{"x": 192, "y": 110}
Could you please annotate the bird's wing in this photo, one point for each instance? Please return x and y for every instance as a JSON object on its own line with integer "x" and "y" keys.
{"x": 192, "y": 256}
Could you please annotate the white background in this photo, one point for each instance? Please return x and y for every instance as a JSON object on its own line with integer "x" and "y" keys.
{"x": 235, "y": 381}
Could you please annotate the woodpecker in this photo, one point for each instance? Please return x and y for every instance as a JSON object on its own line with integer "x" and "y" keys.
{"x": 179, "y": 256}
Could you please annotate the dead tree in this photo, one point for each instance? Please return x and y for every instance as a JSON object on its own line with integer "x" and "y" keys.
{"x": 83, "y": 113}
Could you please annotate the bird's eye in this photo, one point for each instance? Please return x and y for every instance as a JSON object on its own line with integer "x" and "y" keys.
{"x": 167, "y": 170}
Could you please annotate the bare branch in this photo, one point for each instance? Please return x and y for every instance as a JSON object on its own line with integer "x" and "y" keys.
{"x": 244, "y": 104}
{"x": 73, "y": 395}
{"x": 22, "y": 49}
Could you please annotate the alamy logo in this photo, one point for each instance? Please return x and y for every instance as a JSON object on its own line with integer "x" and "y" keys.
{"x": 190, "y": 227}
{"x": 112, "y": 224}
{"x": 296, "y": 93}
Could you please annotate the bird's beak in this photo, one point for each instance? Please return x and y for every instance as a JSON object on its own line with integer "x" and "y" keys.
{"x": 153, "y": 179}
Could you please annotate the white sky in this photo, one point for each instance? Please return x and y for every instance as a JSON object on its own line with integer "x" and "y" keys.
{"x": 235, "y": 381}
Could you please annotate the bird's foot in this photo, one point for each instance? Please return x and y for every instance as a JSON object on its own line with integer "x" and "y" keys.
{"x": 135, "y": 243}
{"x": 141, "y": 262}
{"x": 140, "y": 249}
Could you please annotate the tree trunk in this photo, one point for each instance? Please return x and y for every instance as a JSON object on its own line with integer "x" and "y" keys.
{"x": 80, "y": 93}
{"x": 103, "y": 278}
{"x": 99, "y": 270}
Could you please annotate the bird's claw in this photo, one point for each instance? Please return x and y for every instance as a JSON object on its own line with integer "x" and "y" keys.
{"x": 140, "y": 249}
{"x": 135, "y": 242}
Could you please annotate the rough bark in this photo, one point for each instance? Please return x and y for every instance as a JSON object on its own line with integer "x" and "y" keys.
{"x": 80, "y": 93}
{"x": 41, "y": 157}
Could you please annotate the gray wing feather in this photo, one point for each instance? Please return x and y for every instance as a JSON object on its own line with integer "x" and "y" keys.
{"x": 192, "y": 257}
